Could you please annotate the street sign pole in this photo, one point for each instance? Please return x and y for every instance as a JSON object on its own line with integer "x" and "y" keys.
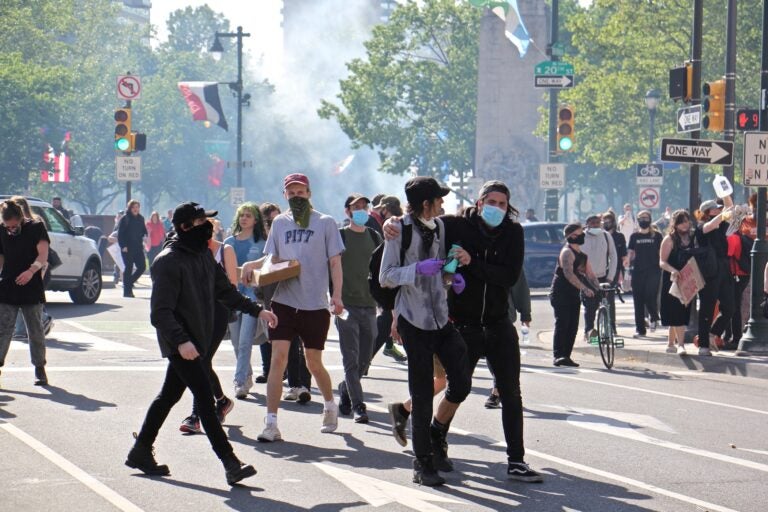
{"x": 755, "y": 338}
{"x": 551, "y": 195}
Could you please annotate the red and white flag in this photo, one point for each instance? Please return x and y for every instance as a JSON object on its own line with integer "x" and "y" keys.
{"x": 203, "y": 100}
{"x": 56, "y": 167}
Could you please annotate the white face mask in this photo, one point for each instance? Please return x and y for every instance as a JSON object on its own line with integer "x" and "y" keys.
{"x": 594, "y": 231}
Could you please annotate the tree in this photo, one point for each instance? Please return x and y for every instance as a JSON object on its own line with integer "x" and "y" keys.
{"x": 413, "y": 98}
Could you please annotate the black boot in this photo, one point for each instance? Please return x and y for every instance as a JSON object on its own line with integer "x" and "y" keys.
{"x": 142, "y": 457}
{"x": 41, "y": 379}
{"x": 440, "y": 458}
{"x": 424, "y": 473}
{"x": 236, "y": 470}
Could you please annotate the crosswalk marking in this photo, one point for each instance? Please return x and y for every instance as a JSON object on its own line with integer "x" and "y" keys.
{"x": 84, "y": 340}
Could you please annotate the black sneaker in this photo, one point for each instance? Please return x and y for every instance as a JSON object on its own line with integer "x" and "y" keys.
{"x": 361, "y": 414}
{"x": 142, "y": 457}
{"x": 41, "y": 379}
{"x": 345, "y": 403}
{"x": 224, "y": 407}
{"x": 236, "y": 470}
{"x": 493, "y": 402}
{"x": 190, "y": 425}
{"x": 566, "y": 361}
{"x": 522, "y": 472}
{"x": 424, "y": 473}
{"x": 261, "y": 379}
{"x": 399, "y": 422}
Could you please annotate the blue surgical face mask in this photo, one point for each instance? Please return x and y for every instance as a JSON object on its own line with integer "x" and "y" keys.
{"x": 492, "y": 215}
{"x": 360, "y": 217}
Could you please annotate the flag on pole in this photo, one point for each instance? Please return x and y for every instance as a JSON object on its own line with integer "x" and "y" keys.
{"x": 56, "y": 167}
{"x": 340, "y": 167}
{"x": 514, "y": 28}
{"x": 203, "y": 100}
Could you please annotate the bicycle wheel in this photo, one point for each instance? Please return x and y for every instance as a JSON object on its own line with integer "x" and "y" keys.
{"x": 605, "y": 337}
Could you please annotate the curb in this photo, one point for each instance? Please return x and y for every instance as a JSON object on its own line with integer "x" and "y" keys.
{"x": 724, "y": 363}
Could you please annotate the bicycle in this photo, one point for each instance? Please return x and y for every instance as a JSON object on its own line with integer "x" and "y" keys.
{"x": 606, "y": 338}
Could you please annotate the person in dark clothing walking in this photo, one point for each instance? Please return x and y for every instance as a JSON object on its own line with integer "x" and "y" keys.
{"x": 573, "y": 276}
{"x": 130, "y": 236}
{"x": 644, "y": 247}
{"x": 186, "y": 281}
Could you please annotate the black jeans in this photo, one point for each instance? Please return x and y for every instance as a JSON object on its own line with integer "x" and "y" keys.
{"x": 499, "y": 344}
{"x": 592, "y": 304}
{"x": 183, "y": 374}
{"x": 420, "y": 346}
{"x": 645, "y": 293}
{"x": 718, "y": 288}
{"x": 298, "y": 374}
{"x": 220, "y": 321}
{"x": 134, "y": 257}
{"x": 566, "y": 323}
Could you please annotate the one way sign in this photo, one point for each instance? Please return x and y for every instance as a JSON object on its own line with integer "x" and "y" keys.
{"x": 689, "y": 119}
{"x": 690, "y": 151}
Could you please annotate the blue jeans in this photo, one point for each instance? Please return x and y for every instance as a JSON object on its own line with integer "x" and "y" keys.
{"x": 242, "y": 332}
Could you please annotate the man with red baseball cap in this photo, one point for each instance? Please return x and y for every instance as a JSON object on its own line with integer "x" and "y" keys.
{"x": 301, "y": 303}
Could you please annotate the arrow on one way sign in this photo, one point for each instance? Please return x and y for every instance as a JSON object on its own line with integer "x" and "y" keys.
{"x": 692, "y": 151}
{"x": 554, "y": 81}
{"x": 689, "y": 119}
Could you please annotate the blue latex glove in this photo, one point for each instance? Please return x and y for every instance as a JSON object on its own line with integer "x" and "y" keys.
{"x": 429, "y": 267}
{"x": 458, "y": 284}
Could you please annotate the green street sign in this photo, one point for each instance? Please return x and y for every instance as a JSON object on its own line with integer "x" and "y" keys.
{"x": 558, "y": 50}
{"x": 549, "y": 67}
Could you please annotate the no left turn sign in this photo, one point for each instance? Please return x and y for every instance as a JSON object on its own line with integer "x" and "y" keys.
{"x": 650, "y": 197}
{"x": 128, "y": 87}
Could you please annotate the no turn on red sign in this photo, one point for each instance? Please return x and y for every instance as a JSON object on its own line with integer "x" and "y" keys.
{"x": 650, "y": 198}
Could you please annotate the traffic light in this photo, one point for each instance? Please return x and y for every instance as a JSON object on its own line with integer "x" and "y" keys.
{"x": 123, "y": 139}
{"x": 681, "y": 82}
{"x": 714, "y": 105}
{"x": 565, "y": 129}
{"x": 747, "y": 119}
{"x": 138, "y": 141}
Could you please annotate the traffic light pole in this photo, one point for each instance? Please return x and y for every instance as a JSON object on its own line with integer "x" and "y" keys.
{"x": 551, "y": 198}
{"x": 755, "y": 339}
{"x": 729, "y": 131}
{"x": 128, "y": 183}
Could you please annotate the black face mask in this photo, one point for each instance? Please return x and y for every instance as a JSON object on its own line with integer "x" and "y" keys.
{"x": 607, "y": 226}
{"x": 197, "y": 237}
{"x": 578, "y": 240}
{"x": 644, "y": 223}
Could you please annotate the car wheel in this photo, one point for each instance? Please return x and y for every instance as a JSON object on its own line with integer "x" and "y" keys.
{"x": 89, "y": 289}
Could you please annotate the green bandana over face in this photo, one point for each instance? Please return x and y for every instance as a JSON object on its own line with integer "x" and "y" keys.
{"x": 300, "y": 208}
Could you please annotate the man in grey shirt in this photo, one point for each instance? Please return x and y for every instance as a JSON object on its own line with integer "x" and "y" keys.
{"x": 421, "y": 316}
{"x": 601, "y": 251}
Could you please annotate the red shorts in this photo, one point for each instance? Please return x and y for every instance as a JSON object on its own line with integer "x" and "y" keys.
{"x": 311, "y": 326}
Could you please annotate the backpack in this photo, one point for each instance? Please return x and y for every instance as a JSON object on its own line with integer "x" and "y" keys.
{"x": 745, "y": 259}
{"x": 385, "y": 297}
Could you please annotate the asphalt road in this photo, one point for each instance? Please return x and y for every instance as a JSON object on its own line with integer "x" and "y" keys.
{"x": 636, "y": 438}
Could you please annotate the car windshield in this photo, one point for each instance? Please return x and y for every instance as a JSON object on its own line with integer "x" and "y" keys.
{"x": 54, "y": 221}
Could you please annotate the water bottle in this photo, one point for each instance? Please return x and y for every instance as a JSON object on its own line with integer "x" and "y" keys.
{"x": 722, "y": 187}
{"x": 525, "y": 332}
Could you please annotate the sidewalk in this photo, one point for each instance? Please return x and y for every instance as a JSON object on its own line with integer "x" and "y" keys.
{"x": 651, "y": 350}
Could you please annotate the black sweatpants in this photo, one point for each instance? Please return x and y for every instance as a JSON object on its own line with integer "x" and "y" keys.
{"x": 718, "y": 288}
{"x": 420, "y": 346}
{"x": 180, "y": 375}
{"x": 645, "y": 295}
{"x": 566, "y": 323}
{"x": 220, "y": 322}
{"x": 298, "y": 374}
{"x": 134, "y": 257}
{"x": 499, "y": 344}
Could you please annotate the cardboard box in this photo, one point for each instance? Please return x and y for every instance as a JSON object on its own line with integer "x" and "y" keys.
{"x": 277, "y": 272}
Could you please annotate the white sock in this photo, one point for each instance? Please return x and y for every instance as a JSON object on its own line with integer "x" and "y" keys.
{"x": 330, "y": 405}
{"x": 272, "y": 418}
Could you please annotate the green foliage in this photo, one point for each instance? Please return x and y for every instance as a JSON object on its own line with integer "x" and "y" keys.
{"x": 412, "y": 99}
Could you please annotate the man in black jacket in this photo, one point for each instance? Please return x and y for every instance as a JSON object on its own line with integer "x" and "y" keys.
{"x": 186, "y": 281}
{"x": 130, "y": 235}
{"x": 491, "y": 259}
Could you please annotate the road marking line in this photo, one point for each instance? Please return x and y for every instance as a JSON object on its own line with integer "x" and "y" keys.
{"x": 91, "y": 342}
{"x": 631, "y": 482}
{"x": 78, "y": 474}
{"x": 76, "y": 325}
{"x": 649, "y": 391}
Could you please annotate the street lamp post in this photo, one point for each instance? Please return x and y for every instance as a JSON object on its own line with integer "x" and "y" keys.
{"x": 217, "y": 50}
{"x": 651, "y": 102}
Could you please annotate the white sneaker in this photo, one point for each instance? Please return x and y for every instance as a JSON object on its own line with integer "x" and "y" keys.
{"x": 671, "y": 349}
{"x": 241, "y": 390}
{"x": 652, "y": 328}
{"x": 704, "y": 351}
{"x": 271, "y": 434}
{"x": 330, "y": 420}
{"x": 681, "y": 351}
{"x": 291, "y": 395}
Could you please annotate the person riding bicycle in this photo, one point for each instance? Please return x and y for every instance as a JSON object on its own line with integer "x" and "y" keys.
{"x": 573, "y": 276}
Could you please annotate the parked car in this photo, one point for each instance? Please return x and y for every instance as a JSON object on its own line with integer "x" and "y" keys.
{"x": 543, "y": 241}
{"x": 80, "y": 271}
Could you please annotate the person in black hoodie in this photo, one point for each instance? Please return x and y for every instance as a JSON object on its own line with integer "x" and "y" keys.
{"x": 186, "y": 280}
{"x": 491, "y": 259}
{"x": 130, "y": 235}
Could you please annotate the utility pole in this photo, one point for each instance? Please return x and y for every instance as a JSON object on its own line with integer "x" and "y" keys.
{"x": 698, "y": 16}
{"x": 551, "y": 198}
{"x": 755, "y": 339}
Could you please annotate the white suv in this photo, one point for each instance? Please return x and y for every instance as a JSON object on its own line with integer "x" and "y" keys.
{"x": 80, "y": 271}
